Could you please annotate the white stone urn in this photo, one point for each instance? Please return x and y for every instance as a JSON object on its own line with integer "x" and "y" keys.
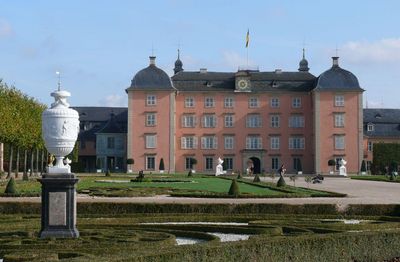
{"x": 60, "y": 128}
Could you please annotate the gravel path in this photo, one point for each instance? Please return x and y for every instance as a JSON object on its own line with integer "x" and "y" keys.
{"x": 358, "y": 191}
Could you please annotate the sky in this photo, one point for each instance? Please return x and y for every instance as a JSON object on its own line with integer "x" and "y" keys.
{"x": 99, "y": 45}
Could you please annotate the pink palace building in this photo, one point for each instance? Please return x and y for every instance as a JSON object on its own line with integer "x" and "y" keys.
{"x": 248, "y": 118}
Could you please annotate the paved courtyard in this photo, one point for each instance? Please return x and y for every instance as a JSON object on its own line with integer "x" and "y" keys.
{"x": 358, "y": 191}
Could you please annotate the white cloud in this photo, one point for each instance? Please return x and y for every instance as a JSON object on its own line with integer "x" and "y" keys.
{"x": 234, "y": 60}
{"x": 381, "y": 51}
{"x": 5, "y": 29}
{"x": 114, "y": 101}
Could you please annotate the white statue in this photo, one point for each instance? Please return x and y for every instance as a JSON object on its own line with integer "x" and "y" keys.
{"x": 67, "y": 161}
{"x": 342, "y": 168}
{"x": 219, "y": 170}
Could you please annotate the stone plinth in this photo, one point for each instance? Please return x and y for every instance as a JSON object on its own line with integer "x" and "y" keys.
{"x": 58, "y": 206}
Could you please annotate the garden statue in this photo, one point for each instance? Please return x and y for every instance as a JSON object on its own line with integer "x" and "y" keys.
{"x": 219, "y": 169}
{"x": 342, "y": 168}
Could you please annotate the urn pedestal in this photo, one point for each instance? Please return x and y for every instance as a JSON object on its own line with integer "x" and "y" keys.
{"x": 58, "y": 206}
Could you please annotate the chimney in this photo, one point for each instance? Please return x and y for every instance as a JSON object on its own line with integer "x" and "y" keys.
{"x": 203, "y": 70}
{"x": 152, "y": 60}
{"x": 335, "y": 61}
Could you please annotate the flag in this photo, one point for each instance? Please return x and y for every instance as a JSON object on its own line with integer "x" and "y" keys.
{"x": 247, "y": 38}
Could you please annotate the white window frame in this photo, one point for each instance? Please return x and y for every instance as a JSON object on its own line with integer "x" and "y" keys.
{"x": 151, "y": 100}
{"x": 275, "y": 142}
{"x": 296, "y": 102}
{"x": 151, "y": 119}
{"x": 229, "y": 102}
{"x": 339, "y": 119}
{"x": 275, "y": 121}
{"x": 275, "y": 102}
{"x": 148, "y": 167}
{"x": 339, "y": 142}
{"x": 229, "y": 142}
{"x": 339, "y": 100}
{"x": 151, "y": 141}
{"x": 370, "y": 127}
{"x": 229, "y": 120}
{"x": 275, "y": 163}
{"x": 253, "y": 121}
{"x": 189, "y": 120}
{"x": 208, "y": 142}
{"x": 228, "y": 163}
{"x": 188, "y": 142}
{"x": 254, "y": 102}
{"x": 296, "y": 142}
{"x": 209, "y": 102}
{"x": 370, "y": 146}
{"x": 253, "y": 142}
{"x": 189, "y": 101}
{"x": 296, "y": 121}
{"x": 208, "y": 163}
{"x": 209, "y": 121}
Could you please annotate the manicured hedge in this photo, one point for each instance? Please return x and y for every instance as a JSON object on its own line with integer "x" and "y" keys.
{"x": 373, "y": 210}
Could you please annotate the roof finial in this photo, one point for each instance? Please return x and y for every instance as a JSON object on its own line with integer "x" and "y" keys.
{"x": 59, "y": 80}
{"x": 178, "y": 53}
{"x": 304, "y": 51}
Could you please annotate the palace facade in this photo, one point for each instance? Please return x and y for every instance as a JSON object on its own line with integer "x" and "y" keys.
{"x": 249, "y": 118}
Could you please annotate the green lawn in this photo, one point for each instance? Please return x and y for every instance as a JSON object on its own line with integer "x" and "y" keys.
{"x": 377, "y": 178}
{"x": 177, "y": 185}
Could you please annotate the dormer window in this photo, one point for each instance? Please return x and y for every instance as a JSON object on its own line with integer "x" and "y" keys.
{"x": 370, "y": 127}
{"x": 378, "y": 116}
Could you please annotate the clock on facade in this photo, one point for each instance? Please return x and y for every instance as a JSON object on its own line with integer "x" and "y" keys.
{"x": 243, "y": 84}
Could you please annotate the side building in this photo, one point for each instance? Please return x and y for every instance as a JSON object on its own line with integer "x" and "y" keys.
{"x": 249, "y": 118}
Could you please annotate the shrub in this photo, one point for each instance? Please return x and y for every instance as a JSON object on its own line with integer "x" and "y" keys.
{"x": 130, "y": 161}
{"x": 281, "y": 182}
{"x": 308, "y": 180}
{"x": 108, "y": 173}
{"x": 331, "y": 162}
{"x": 239, "y": 175}
{"x": 11, "y": 187}
{"x": 363, "y": 166}
{"x": 190, "y": 173}
{"x": 25, "y": 176}
{"x": 256, "y": 178}
{"x": 161, "y": 165}
{"x": 293, "y": 179}
{"x": 234, "y": 189}
{"x": 140, "y": 177}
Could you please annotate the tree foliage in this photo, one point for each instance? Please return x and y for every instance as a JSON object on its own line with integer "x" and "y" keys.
{"x": 384, "y": 155}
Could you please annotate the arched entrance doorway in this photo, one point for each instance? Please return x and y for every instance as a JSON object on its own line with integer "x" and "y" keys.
{"x": 256, "y": 165}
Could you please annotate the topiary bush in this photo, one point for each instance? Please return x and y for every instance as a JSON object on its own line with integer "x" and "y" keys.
{"x": 239, "y": 175}
{"x": 11, "y": 187}
{"x": 234, "y": 189}
{"x": 108, "y": 173}
{"x": 256, "y": 178}
{"x": 281, "y": 182}
{"x": 190, "y": 173}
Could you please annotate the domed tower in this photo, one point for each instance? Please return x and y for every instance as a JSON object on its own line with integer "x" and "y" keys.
{"x": 338, "y": 119}
{"x": 151, "y": 119}
{"x": 303, "y": 65}
{"x": 178, "y": 65}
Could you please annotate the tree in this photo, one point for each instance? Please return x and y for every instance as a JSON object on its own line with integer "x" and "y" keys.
{"x": 281, "y": 182}
{"x": 384, "y": 154}
{"x": 11, "y": 187}
{"x": 308, "y": 180}
{"x": 256, "y": 178}
{"x": 161, "y": 165}
{"x": 130, "y": 162}
{"x": 234, "y": 189}
{"x": 331, "y": 163}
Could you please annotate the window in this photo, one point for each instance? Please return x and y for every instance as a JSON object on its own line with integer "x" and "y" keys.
{"x": 339, "y": 120}
{"x": 209, "y": 142}
{"x": 151, "y": 100}
{"x": 339, "y": 100}
{"x": 254, "y": 102}
{"x": 228, "y": 120}
{"x": 339, "y": 142}
{"x": 150, "y": 119}
{"x": 370, "y": 127}
{"x": 274, "y": 163}
{"x": 151, "y": 141}
{"x": 110, "y": 142}
{"x": 296, "y": 121}
{"x": 296, "y": 142}
{"x": 188, "y": 120}
{"x": 370, "y": 146}
{"x": 188, "y": 142}
{"x": 228, "y": 102}
{"x": 189, "y": 101}
{"x": 297, "y": 164}
{"x": 209, "y": 163}
{"x": 275, "y": 142}
{"x": 275, "y": 102}
{"x": 253, "y": 120}
{"x": 188, "y": 163}
{"x": 275, "y": 121}
{"x": 209, "y": 120}
{"x": 209, "y": 102}
{"x": 253, "y": 142}
{"x": 228, "y": 142}
{"x": 296, "y": 102}
{"x": 150, "y": 162}
{"x": 228, "y": 163}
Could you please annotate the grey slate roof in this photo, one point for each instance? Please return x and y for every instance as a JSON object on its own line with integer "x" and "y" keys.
{"x": 99, "y": 114}
{"x": 337, "y": 78}
{"x": 152, "y": 78}
{"x": 386, "y": 122}
{"x": 111, "y": 127}
{"x": 260, "y": 81}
